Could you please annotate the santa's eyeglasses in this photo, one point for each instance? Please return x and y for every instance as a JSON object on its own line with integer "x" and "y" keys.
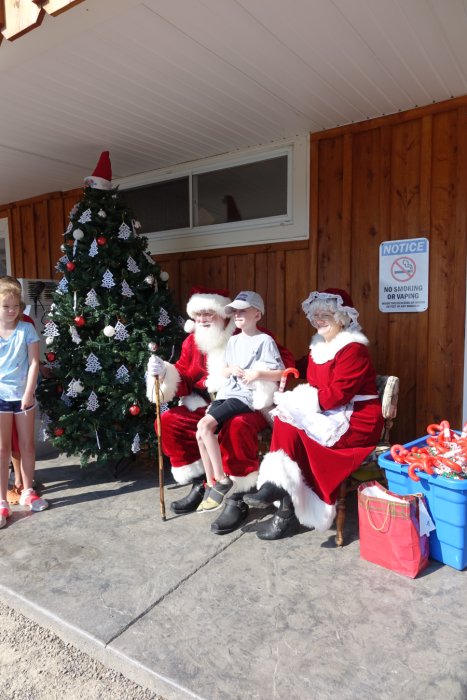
{"x": 207, "y": 315}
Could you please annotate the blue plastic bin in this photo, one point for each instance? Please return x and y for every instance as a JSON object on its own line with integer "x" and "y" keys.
{"x": 447, "y": 503}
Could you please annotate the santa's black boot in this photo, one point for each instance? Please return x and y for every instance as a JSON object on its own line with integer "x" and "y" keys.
{"x": 283, "y": 524}
{"x": 235, "y": 511}
{"x": 189, "y": 503}
{"x": 267, "y": 494}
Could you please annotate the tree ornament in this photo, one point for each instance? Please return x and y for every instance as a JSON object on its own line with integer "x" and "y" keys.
{"x": 121, "y": 332}
{"x": 51, "y": 330}
{"x": 164, "y": 276}
{"x": 91, "y": 299}
{"x": 109, "y": 331}
{"x": 134, "y": 410}
{"x": 108, "y": 280}
{"x": 71, "y": 389}
{"x": 124, "y": 231}
{"x": 58, "y": 432}
{"x": 78, "y": 387}
{"x": 152, "y": 347}
{"x": 132, "y": 265}
{"x": 70, "y": 266}
{"x": 80, "y": 321}
{"x": 126, "y": 289}
{"x": 63, "y": 248}
{"x": 85, "y": 217}
{"x": 136, "y": 224}
{"x": 122, "y": 374}
{"x": 63, "y": 286}
{"x": 149, "y": 279}
{"x": 69, "y": 241}
{"x": 78, "y": 234}
{"x": 136, "y": 444}
{"x": 59, "y": 389}
{"x": 69, "y": 227}
{"x": 93, "y": 249}
{"x": 164, "y": 318}
{"x": 51, "y": 356}
{"x": 101, "y": 213}
{"x": 49, "y": 341}
{"x": 75, "y": 335}
{"x": 92, "y": 363}
{"x": 93, "y": 403}
{"x": 102, "y": 240}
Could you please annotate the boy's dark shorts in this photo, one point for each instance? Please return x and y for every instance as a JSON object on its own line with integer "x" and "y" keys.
{"x": 223, "y": 409}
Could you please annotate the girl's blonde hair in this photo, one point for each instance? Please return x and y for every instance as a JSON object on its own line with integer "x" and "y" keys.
{"x": 10, "y": 285}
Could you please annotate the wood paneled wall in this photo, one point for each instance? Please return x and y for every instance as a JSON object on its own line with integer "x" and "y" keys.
{"x": 395, "y": 177}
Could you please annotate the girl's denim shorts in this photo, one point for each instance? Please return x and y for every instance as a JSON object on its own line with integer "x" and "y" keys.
{"x": 11, "y": 406}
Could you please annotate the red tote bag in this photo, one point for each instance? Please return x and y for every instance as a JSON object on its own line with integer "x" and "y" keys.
{"x": 390, "y": 530}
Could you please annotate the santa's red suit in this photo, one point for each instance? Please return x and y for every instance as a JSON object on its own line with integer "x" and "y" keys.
{"x": 194, "y": 379}
{"x": 339, "y": 407}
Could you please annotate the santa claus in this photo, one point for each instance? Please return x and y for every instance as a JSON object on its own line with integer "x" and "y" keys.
{"x": 194, "y": 379}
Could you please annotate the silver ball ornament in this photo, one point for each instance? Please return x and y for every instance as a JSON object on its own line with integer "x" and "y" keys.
{"x": 149, "y": 279}
{"x": 78, "y": 234}
{"x": 164, "y": 276}
{"x": 78, "y": 387}
{"x": 63, "y": 248}
{"x": 49, "y": 341}
{"x": 152, "y": 347}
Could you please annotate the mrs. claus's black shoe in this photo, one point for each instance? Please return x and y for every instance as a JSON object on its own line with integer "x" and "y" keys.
{"x": 279, "y": 526}
{"x": 267, "y": 494}
{"x": 189, "y": 503}
{"x": 234, "y": 513}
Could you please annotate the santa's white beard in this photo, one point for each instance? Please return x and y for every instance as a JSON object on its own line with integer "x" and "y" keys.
{"x": 214, "y": 336}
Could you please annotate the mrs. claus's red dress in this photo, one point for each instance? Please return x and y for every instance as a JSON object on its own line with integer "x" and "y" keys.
{"x": 323, "y": 430}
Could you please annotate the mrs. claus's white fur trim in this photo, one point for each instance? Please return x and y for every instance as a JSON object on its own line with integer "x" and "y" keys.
{"x": 311, "y": 511}
{"x": 322, "y": 352}
{"x": 186, "y": 474}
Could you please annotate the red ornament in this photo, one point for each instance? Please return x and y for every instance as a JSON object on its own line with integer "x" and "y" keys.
{"x": 79, "y": 321}
{"x": 102, "y": 240}
{"x": 70, "y": 266}
{"x": 160, "y": 328}
{"x": 69, "y": 241}
{"x": 58, "y": 432}
{"x": 59, "y": 389}
{"x": 50, "y": 356}
{"x": 134, "y": 410}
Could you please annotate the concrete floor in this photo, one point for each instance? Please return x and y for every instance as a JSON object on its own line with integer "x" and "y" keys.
{"x": 193, "y": 615}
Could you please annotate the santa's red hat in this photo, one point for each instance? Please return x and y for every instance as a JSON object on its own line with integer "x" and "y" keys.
{"x": 206, "y": 299}
{"x": 101, "y": 179}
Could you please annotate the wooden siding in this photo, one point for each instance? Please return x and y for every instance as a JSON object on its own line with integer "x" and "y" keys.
{"x": 400, "y": 176}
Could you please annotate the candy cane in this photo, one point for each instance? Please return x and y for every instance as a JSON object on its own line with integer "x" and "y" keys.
{"x": 285, "y": 376}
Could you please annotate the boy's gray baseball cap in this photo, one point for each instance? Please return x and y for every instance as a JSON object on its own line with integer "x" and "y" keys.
{"x": 244, "y": 300}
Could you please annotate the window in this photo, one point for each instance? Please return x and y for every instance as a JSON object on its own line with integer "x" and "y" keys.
{"x": 258, "y": 196}
{"x": 4, "y": 248}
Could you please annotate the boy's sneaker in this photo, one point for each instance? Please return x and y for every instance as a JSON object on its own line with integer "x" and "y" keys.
{"x": 33, "y": 501}
{"x": 5, "y": 513}
{"x": 214, "y": 498}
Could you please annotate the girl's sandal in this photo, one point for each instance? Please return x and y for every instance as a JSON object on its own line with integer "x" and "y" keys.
{"x": 13, "y": 495}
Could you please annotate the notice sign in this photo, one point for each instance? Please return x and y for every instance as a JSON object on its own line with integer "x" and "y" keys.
{"x": 403, "y": 275}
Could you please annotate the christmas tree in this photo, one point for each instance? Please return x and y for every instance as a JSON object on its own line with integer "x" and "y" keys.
{"x": 111, "y": 308}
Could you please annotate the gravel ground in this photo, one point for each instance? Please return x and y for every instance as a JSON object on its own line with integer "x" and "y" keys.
{"x": 35, "y": 664}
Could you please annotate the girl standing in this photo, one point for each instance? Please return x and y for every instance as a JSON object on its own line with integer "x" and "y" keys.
{"x": 19, "y": 367}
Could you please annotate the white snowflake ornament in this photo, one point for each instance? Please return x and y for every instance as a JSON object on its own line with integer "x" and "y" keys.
{"x": 131, "y": 265}
{"x": 126, "y": 289}
{"x": 93, "y": 403}
{"x": 108, "y": 280}
{"x": 93, "y": 249}
{"x": 136, "y": 444}
{"x": 92, "y": 364}
{"x": 121, "y": 332}
{"x": 91, "y": 299}
{"x": 85, "y": 217}
{"x": 122, "y": 374}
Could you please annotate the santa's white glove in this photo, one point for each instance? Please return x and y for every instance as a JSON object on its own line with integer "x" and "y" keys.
{"x": 156, "y": 367}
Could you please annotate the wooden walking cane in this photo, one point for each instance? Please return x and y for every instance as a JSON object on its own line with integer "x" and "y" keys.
{"x": 159, "y": 447}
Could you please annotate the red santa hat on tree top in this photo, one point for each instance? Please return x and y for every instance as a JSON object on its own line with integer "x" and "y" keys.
{"x": 206, "y": 299}
{"x": 101, "y": 179}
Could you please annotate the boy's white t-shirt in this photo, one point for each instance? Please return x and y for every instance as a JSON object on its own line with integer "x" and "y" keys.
{"x": 14, "y": 361}
{"x": 245, "y": 351}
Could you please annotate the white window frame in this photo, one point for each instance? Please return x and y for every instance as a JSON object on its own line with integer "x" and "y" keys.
{"x": 4, "y": 236}
{"x": 292, "y": 226}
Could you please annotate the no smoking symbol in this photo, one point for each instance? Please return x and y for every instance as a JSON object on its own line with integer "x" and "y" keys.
{"x": 403, "y": 269}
